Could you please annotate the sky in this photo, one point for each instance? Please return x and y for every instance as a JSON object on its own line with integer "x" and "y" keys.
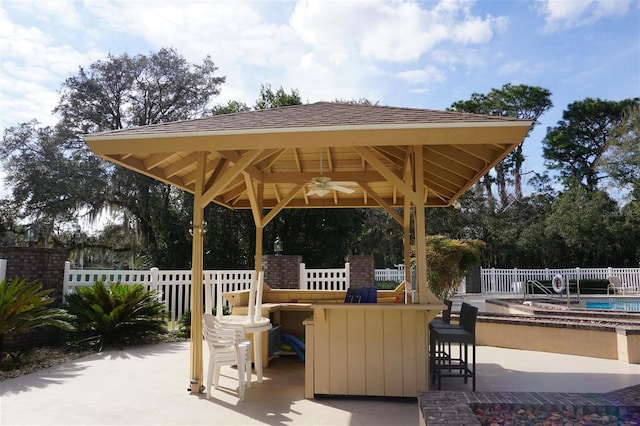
{"x": 422, "y": 54}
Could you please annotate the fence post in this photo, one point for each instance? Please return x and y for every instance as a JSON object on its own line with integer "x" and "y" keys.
{"x": 303, "y": 277}
{"x": 209, "y": 291}
{"x": 493, "y": 280}
{"x": 154, "y": 280}
{"x": 347, "y": 270}
{"x": 3, "y": 269}
{"x": 65, "y": 283}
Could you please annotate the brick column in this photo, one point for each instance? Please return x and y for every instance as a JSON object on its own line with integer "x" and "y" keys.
{"x": 33, "y": 263}
{"x": 361, "y": 271}
{"x": 46, "y": 266}
{"x": 282, "y": 271}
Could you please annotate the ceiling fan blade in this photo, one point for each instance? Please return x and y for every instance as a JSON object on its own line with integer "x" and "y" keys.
{"x": 320, "y": 192}
{"x": 344, "y": 183}
{"x": 341, "y": 189}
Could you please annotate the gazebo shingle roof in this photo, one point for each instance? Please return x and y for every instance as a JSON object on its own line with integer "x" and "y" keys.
{"x": 283, "y": 148}
{"x": 316, "y": 115}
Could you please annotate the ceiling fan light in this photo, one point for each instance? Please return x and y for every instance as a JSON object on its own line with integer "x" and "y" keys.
{"x": 321, "y": 192}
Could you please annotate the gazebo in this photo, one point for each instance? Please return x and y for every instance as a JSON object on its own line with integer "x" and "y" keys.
{"x": 320, "y": 155}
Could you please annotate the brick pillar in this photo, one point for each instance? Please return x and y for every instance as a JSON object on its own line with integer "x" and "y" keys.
{"x": 46, "y": 266}
{"x": 282, "y": 271}
{"x": 361, "y": 271}
{"x": 33, "y": 263}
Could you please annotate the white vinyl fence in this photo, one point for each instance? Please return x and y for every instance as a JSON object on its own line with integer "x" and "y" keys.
{"x": 513, "y": 280}
{"x": 174, "y": 286}
{"x": 324, "y": 279}
{"x": 388, "y": 274}
{"x": 3, "y": 269}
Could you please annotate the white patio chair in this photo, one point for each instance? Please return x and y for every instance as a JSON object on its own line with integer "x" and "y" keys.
{"x": 618, "y": 287}
{"x": 227, "y": 346}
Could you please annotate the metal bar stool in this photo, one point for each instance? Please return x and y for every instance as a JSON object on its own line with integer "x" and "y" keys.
{"x": 464, "y": 335}
{"x": 435, "y": 350}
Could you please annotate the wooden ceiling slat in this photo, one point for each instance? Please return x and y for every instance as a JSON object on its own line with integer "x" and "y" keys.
{"x": 156, "y": 159}
{"x": 180, "y": 165}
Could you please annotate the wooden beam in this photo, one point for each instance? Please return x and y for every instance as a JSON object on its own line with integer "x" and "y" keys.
{"x": 282, "y": 204}
{"x": 155, "y": 159}
{"x": 180, "y": 165}
{"x": 394, "y": 214}
{"x": 300, "y": 177}
{"x": 253, "y": 199}
{"x": 388, "y": 174}
{"x": 234, "y": 157}
{"x": 230, "y": 174}
{"x": 196, "y": 382}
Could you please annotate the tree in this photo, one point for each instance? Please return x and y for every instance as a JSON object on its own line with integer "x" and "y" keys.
{"x": 7, "y": 224}
{"x": 382, "y": 237}
{"x": 57, "y": 175}
{"x": 229, "y": 108}
{"x": 270, "y": 99}
{"x": 577, "y": 144}
{"x": 520, "y": 101}
{"x": 126, "y": 91}
{"x": 622, "y": 155}
{"x": 49, "y": 178}
{"x": 583, "y": 219}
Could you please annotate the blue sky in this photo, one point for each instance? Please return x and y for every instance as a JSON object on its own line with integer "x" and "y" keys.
{"x": 402, "y": 53}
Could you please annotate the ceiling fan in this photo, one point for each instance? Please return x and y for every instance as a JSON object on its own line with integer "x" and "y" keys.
{"x": 322, "y": 185}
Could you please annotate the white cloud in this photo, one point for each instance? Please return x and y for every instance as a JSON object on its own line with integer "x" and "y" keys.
{"x": 565, "y": 14}
{"x": 34, "y": 66}
{"x": 389, "y": 31}
{"x": 429, "y": 75}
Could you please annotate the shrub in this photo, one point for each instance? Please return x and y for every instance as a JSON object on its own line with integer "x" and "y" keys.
{"x": 448, "y": 261}
{"x": 386, "y": 285}
{"x": 25, "y": 306}
{"x": 116, "y": 315}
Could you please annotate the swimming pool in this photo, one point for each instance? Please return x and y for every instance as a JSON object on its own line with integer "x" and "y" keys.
{"x": 630, "y": 305}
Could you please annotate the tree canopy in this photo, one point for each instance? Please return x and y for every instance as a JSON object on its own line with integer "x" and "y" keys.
{"x": 578, "y": 143}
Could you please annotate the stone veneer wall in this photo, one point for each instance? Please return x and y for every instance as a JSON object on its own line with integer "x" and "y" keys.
{"x": 282, "y": 271}
{"x": 46, "y": 266}
{"x": 362, "y": 271}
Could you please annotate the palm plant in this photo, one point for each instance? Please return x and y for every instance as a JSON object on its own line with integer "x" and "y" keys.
{"x": 25, "y": 306}
{"x": 116, "y": 314}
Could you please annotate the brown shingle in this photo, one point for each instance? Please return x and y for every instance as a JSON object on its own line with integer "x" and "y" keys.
{"x": 320, "y": 114}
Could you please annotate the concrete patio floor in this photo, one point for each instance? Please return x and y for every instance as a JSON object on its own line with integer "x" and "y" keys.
{"x": 148, "y": 385}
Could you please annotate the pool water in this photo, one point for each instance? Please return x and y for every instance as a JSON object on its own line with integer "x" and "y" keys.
{"x": 614, "y": 305}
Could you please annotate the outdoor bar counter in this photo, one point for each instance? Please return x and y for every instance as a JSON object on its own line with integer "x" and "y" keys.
{"x": 364, "y": 349}
{"x": 374, "y": 349}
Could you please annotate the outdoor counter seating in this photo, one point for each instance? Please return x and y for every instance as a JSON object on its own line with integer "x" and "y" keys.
{"x": 443, "y": 363}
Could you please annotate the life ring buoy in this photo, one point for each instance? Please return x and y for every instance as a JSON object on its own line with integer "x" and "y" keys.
{"x": 558, "y": 283}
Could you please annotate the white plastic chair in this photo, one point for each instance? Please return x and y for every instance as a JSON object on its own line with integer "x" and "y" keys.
{"x": 227, "y": 346}
{"x": 618, "y": 287}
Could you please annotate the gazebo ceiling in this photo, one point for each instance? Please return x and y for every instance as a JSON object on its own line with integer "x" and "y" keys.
{"x": 270, "y": 156}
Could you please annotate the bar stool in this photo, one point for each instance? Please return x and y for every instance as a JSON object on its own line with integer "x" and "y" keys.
{"x": 436, "y": 350}
{"x": 464, "y": 335}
